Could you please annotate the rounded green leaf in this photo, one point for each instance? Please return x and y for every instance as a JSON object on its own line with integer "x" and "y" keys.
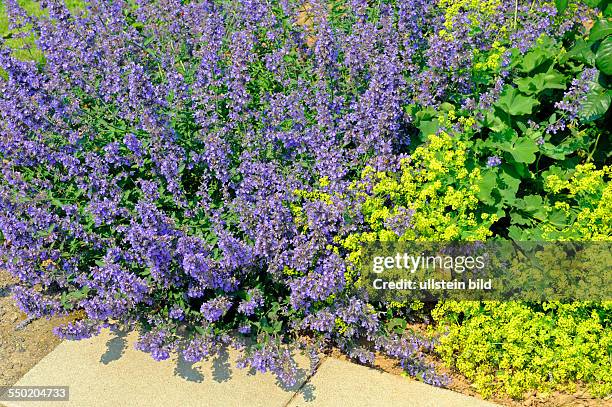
{"x": 524, "y": 150}
{"x": 540, "y": 82}
{"x": 515, "y": 104}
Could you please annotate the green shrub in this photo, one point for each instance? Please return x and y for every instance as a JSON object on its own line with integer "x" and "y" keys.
{"x": 513, "y": 347}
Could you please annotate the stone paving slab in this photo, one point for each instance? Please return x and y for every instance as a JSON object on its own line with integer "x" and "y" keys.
{"x": 341, "y": 383}
{"x": 108, "y": 371}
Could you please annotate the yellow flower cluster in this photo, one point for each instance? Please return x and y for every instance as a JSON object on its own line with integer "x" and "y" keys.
{"x": 435, "y": 187}
{"x": 452, "y": 8}
{"x": 585, "y": 180}
{"x": 509, "y": 347}
{"x": 493, "y": 59}
{"x": 435, "y": 184}
{"x": 591, "y": 189}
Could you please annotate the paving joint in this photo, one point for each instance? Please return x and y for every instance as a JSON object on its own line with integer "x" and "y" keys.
{"x": 108, "y": 371}
{"x": 307, "y": 381}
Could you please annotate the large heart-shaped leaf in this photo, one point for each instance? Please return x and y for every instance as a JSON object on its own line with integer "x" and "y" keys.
{"x": 600, "y": 29}
{"x": 603, "y": 59}
{"x": 596, "y": 105}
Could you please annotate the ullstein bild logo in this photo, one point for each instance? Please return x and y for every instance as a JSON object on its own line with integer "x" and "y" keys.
{"x": 433, "y": 284}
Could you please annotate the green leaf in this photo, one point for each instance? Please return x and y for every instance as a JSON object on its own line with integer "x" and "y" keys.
{"x": 561, "y": 6}
{"x": 486, "y": 186}
{"x": 514, "y": 103}
{"x": 519, "y": 219}
{"x": 511, "y": 186}
{"x": 76, "y": 295}
{"x": 558, "y": 218}
{"x": 602, "y": 28}
{"x": 532, "y": 203}
{"x": 527, "y": 85}
{"x": 536, "y": 84}
{"x": 494, "y": 122}
{"x": 429, "y": 127}
{"x": 57, "y": 202}
{"x": 515, "y": 233}
{"x": 592, "y": 3}
{"x": 596, "y": 104}
{"x": 581, "y": 52}
{"x": 554, "y": 152}
{"x": 397, "y": 325}
{"x": 534, "y": 59}
{"x": 603, "y": 59}
{"x": 523, "y": 150}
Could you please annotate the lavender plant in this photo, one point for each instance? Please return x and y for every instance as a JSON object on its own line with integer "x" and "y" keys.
{"x": 185, "y": 168}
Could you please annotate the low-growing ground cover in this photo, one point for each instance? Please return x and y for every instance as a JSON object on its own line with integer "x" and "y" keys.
{"x": 207, "y": 172}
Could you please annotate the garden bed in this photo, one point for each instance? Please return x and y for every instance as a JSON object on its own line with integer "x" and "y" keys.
{"x": 213, "y": 173}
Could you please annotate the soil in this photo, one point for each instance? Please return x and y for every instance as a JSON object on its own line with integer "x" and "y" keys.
{"x": 21, "y": 349}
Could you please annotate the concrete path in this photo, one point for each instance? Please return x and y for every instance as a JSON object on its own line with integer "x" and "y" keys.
{"x": 108, "y": 371}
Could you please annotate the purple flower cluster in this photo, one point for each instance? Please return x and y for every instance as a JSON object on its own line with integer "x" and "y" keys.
{"x": 199, "y": 348}
{"x": 77, "y": 330}
{"x": 157, "y": 342}
{"x": 213, "y": 310}
{"x": 410, "y": 352}
{"x": 254, "y": 300}
{"x": 272, "y": 358}
{"x": 494, "y": 161}
{"x": 34, "y": 303}
{"x": 176, "y": 313}
{"x": 573, "y": 99}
